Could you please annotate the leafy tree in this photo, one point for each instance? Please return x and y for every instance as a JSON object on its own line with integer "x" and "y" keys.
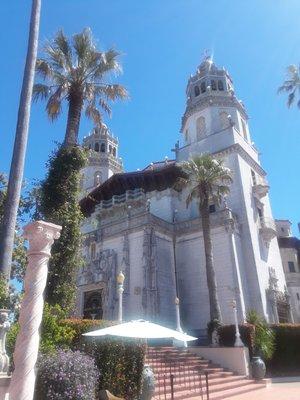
{"x": 7, "y": 233}
{"x": 291, "y": 85}
{"x": 59, "y": 204}
{"x": 207, "y": 180}
{"x": 75, "y": 71}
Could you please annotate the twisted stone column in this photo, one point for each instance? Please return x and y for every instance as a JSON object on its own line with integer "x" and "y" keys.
{"x": 41, "y": 236}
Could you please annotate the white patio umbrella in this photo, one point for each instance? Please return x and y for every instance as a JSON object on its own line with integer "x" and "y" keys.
{"x": 141, "y": 329}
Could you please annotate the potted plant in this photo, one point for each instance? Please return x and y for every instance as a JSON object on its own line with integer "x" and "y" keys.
{"x": 264, "y": 344}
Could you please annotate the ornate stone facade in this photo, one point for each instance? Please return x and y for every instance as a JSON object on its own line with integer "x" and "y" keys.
{"x": 138, "y": 223}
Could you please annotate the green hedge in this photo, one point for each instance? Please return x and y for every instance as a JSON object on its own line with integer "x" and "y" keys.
{"x": 227, "y": 336}
{"x": 120, "y": 361}
{"x": 286, "y": 357}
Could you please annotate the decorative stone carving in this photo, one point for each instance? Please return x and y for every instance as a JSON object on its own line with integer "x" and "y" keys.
{"x": 150, "y": 292}
{"x": 97, "y": 270}
{"x": 41, "y": 236}
{"x": 125, "y": 264}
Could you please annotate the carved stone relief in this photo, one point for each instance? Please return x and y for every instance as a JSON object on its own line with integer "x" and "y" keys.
{"x": 150, "y": 291}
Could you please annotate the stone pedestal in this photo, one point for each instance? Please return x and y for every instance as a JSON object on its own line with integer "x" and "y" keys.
{"x": 4, "y": 385}
{"x": 41, "y": 236}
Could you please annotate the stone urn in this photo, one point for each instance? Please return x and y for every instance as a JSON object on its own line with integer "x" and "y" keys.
{"x": 148, "y": 383}
{"x": 258, "y": 368}
{"x": 4, "y": 328}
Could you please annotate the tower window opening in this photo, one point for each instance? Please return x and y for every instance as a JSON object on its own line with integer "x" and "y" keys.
{"x": 114, "y": 152}
{"x": 97, "y": 178}
{"x": 109, "y": 149}
{"x": 93, "y": 251}
{"x": 220, "y": 85}
{"x": 96, "y": 147}
{"x": 201, "y": 128}
{"x": 260, "y": 212}
{"x": 244, "y": 129}
{"x": 253, "y": 176}
{"x": 291, "y": 266}
{"x": 90, "y": 146}
{"x": 102, "y": 149}
{"x": 213, "y": 84}
{"x": 298, "y": 296}
{"x": 203, "y": 87}
{"x": 197, "y": 91}
{"x": 186, "y": 135}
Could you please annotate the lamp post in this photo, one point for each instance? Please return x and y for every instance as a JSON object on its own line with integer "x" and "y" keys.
{"x": 238, "y": 341}
{"x": 178, "y": 323}
{"x": 120, "y": 282}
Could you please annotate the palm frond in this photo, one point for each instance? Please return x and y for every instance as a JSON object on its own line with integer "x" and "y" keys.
{"x": 92, "y": 112}
{"x": 291, "y": 99}
{"x": 105, "y": 106}
{"x": 63, "y": 44}
{"x": 112, "y": 92}
{"x": 43, "y": 68}
{"x": 40, "y": 91}
{"x": 83, "y": 45}
{"x": 53, "y": 106}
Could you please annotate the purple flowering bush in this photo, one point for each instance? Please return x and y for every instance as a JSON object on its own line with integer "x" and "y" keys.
{"x": 66, "y": 375}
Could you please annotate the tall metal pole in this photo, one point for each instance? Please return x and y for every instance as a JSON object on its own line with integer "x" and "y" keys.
{"x": 238, "y": 341}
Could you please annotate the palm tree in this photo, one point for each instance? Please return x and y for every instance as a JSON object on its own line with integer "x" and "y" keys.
{"x": 75, "y": 71}
{"x": 17, "y": 164}
{"x": 291, "y": 85}
{"x": 207, "y": 181}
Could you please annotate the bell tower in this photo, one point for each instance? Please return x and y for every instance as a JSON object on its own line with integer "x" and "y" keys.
{"x": 214, "y": 118}
{"x": 103, "y": 159}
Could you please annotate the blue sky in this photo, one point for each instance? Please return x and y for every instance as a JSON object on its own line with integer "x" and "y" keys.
{"x": 162, "y": 42}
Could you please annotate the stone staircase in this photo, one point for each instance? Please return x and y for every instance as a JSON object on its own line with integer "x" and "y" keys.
{"x": 189, "y": 375}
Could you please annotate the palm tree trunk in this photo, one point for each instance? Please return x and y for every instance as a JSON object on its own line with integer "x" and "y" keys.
{"x": 74, "y": 114}
{"x": 215, "y": 312}
{"x": 19, "y": 151}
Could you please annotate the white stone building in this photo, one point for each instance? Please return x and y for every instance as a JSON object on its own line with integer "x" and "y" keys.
{"x": 290, "y": 254}
{"x": 136, "y": 222}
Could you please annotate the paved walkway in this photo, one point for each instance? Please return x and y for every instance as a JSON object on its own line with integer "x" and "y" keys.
{"x": 276, "y": 391}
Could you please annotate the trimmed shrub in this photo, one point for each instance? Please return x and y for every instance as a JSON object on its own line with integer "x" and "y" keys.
{"x": 66, "y": 375}
{"x": 286, "y": 357}
{"x": 120, "y": 362}
{"x": 247, "y": 331}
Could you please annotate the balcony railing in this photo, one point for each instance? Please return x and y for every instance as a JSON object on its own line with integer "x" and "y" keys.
{"x": 129, "y": 195}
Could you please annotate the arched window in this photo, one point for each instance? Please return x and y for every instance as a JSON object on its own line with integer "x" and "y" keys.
{"x": 203, "y": 87}
{"x": 114, "y": 152}
{"x": 201, "y": 128}
{"x": 220, "y": 85}
{"x": 96, "y": 147}
{"x": 110, "y": 149}
{"x": 213, "y": 84}
{"x": 102, "y": 149}
{"x": 224, "y": 119}
{"x": 97, "y": 178}
{"x": 197, "y": 91}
